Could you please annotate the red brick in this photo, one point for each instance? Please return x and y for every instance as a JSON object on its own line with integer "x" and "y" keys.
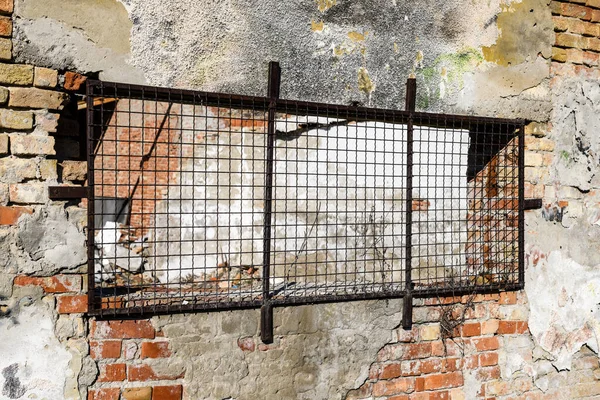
{"x": 390, "y": 371}
{"x": 488, "y": 359}
{"x": 111, "y": 373}
{"x": 145, "y": 372}
{"x": 52, "y": 284}
{"x": 471, "y": 362}
{"x": 488, "y": 373}
{"x": 5, "y": 26}
{"x": 173, "y": 392}
{"x": 141, "y": 329}
{"x": 10, "y": 215}
{"x": 6, "y": 6}
{"x": 73, "y": 81}
{"x": 571, "y": 10}
{"x": 431, "y": 366}
{"x": 155, "y": 350}
{"x": 445, "y": 395}
{"x": 443, "y": 381}
{"x": 104, "y": 394}
{"x": 105, "y": 349}
{"x": 596, "y": 16}
{"x": 247, "y": 344}
{"x": 72, "y": 304}
{"x": 486, "y": 344}
{"x": 508, "y": 298}
{"x": 399, "y": 397}
{"x": 395, "y": 386}
{"x": 417, "y": 350}
{"x": 471, "y": 329}
{"x": 522, "y": 327}
{"x": 452, "y": 364}
{"x": 419, "y": 384}
{"x": 420, "y": 205}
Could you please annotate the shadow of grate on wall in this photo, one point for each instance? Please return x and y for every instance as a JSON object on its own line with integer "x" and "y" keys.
{"x": 203, "y": 201}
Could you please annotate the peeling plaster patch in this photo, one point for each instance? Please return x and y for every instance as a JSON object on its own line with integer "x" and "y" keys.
{"x": 105, "y": 22}
{"x": 49, "y": 43}
{"x": 523, "y": 27}
{"x": 50, "y": 242}
{"x": 564, "y": 298}
{"x": 34, "y": 364}
{"x": 516, "y": 91}
{"x": 575, "y": 117}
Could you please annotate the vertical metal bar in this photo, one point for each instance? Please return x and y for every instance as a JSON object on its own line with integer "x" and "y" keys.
{"x": 90, "y": 194}
{"x": 521, "y": 223}
{"x": 266, "y": 312}
{"x": 411, "y": 91}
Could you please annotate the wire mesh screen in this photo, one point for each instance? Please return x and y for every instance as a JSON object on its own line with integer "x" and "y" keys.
{"x": 211, "y": 201}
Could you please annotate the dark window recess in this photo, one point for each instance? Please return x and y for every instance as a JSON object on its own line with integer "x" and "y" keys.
{"x": 207, "y": 201}
{"x": 110, "y": 210}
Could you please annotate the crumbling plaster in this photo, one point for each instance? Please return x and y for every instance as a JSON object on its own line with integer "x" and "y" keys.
{"x": 492, "y": 60}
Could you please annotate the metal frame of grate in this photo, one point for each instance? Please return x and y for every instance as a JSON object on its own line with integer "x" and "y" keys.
{"x": 206, "y": 201}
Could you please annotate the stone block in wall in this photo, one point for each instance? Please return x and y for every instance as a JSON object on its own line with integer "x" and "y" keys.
{"x": 138, "y": 393}
{"x": 3, "y": 95}
{"x": 48, "y": 169}
{"x": 74, "y": 170}
{"x": 46, "y": 121}
{"x": 28, "y": 193}
{"x": 31, "y": 145}
{"x": 5, "y": 49}
{"x": 3, "y": 144}
{"x": 3, "y": 194}
{"x": 37, "y": 98}
{"x": 15, "y": 170}
{"x": 16, "y": 74}
{"x": 6, "y": 6}
{"x": 18, "y": 120}
{"x": 45, "y": 77}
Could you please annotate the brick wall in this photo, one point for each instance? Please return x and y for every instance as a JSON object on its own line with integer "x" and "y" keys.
{"x": 39, "y": 147}
{"x": 472, "y": 362}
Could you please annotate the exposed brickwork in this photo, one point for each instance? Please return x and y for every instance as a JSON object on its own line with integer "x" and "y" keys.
{"x": 417, "y": 366}
{"x": 577, "y": 29}
{"x": 52, "y": 284}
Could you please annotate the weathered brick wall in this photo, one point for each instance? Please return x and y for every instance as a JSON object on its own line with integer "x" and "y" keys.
{"x": 497, "y": 353}
{"x": 474, "y": 362}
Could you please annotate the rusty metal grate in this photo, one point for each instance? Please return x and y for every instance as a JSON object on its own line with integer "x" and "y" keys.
{"x": 204, "y": 201}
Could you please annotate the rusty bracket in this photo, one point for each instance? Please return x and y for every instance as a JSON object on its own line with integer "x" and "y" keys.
{"x": 532, "y": 204}
{"x": 67, "y": 192}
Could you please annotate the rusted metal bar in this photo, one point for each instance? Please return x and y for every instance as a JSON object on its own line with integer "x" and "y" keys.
{"x": 67, "y": 192}
{"x": 266, "y": 314}
{"x": 90, "y": 199}
{"x": 411, "y": 98}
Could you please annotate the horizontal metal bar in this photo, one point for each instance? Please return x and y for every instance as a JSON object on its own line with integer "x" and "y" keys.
{"x": 67, "y": 192}
{"x": 114, "y": 89}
